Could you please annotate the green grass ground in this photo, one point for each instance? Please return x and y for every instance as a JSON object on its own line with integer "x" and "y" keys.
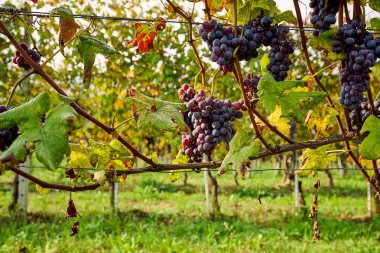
{"x": 157, "y": 216}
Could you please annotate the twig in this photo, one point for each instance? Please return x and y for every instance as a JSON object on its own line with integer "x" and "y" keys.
{"x": 37, "y": 68}
{"x": 54, "y": 186}
{"x": 207, "y": 11}
{"x": 19, "y": 81}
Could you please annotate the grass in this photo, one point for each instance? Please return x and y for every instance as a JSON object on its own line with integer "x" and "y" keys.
{"x": 157, "y": 216}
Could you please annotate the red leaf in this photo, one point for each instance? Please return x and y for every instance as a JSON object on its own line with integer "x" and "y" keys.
{"x": 145, "y": 35}
{"x": 71, "y": 210}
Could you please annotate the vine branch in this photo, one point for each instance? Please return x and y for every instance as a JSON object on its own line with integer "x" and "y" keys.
{"x": 53, "y": 186}
{"x": 37, "y": 68}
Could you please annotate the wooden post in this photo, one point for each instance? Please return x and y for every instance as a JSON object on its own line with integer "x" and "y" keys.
{"x": 207, "y": 188}
{"x": 369, "y": 200}
{"x": 296, "y": 182}
{"x": 22, "y": 200}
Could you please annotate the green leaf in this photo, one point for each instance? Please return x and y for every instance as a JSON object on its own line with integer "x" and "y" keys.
{"x": 27, "y": 115}
{"x": 313, "y": 159}
{"x": 241, "y": 148}
{"x": 375, "y": 23}
{"x": 251, "y": 8}
{"x": 50, "y": 139}
{"x": 370, "y": 147}
{"x": 292, "y": 102}
{"x": 287, "y": 16}
{"x": 264, "y": 62}
{"x": 374, "y": 4}
{"x": 88, "y": 48}
{"x": 155, "y": 115}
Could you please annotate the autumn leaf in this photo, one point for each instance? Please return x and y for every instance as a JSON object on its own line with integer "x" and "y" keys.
{"x": 179, "y": 159}
{"x": 42, "y": 190}
{"x": 145, "y": 35}
{"x": 280, "y": 122}
{"x": 67, "y": 26}
{"x": 322, "y": 118}
{"x": 314, "y": 159}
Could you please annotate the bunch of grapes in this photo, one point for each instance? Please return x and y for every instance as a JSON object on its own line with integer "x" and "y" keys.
{"x": 7, "y": 136}
{"x": 21, "y": 62}
{"x": 279, "y": 61}
{"x": 362, "y": 50}
{"x": 360, "y": 114}
{"x": 250, "y": 89}
{"x": 323, "y": 14}
{"x": 223, "y": 44}
{"x": 209, "y": 120}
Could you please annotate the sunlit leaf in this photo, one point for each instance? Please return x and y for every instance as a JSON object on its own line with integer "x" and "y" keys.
{"x": 370, "y": 147}
{"x": 145, "y": 35}
{"x": 281, "y": 123}
{"x": 313, "y": 159}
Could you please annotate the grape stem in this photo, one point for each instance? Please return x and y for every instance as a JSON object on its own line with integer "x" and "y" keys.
{"x": 19, "y": 81}
{"x": 47, "y": 185}
{"x": 37, "y": 68}
{"x": 207, "y": 11}
{"x": 329, "y": 100}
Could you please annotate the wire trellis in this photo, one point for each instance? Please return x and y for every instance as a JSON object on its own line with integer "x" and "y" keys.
{"x": 41, "y": 14}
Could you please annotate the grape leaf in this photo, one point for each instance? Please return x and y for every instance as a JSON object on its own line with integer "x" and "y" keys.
{"x": 370, "y": 147}
{"x": 375, "y": 23}
{"x": 313, "y": 159}
{"x": 41, "y": 190}
{"x": 374, "y": 4}
{"x": 145, "y": 35}
{"x": 241, "y": 148}
{"x": 67, "y": 26}
{"x": 286, "y": 16}
{"x": 49, "y": 138}
{"x": 281, "y": 123}
{"x": 79, "y": 157}
{"x": 251, "y": 8}
{"x": 322, "y": 118}
{"x": 88, "y": 48}
{"x": 274, "y": 93}
{"x": 28, "y": 115}
{"x": 179, "y": 159}
{"x": 155, "y": 115}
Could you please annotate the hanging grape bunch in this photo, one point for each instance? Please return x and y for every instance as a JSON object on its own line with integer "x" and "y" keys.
{"x": 7, "y": 136}
{"x": 323, "y": 14}
{"x": 209, "y": 120}
{"x": 359, "y": 115}
{"x": 21, "y": 62}
{"x": 362, "y": 51}
{"x": 222, "y": 43}
{"x": 250, "y": 89}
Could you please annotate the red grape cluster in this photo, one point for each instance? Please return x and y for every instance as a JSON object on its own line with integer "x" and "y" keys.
{"x": 224, "y": 45}
{"x": 21, "y": 62}
{"x": 7, "y": 136}
{"x": 209, "y": 120}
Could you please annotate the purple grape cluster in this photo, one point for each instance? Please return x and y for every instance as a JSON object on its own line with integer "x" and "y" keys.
{"x": 360, "y": 114}
{"x": 323, "y": 14}
{"x": 279, "y": 61}
{"x": 209, "y": 120}
{"x": 224, "y": 46}
{"x": 7, "y": 136}
{"x": 250, "y": 89}
{"x": 362, "y": 51}
{"x": 21, "y": 62}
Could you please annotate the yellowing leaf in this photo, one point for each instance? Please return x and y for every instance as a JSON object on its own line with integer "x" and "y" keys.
{"x": 154, "y": 157}
{"x": 314, "y": 159}
{"x": 100, "y": 177}
{"x": 179, "y": 159}
{"x": 322, "y": 118}
{"x": 174, "y": 176}
{"x": 41, "y": 190}
{"x": 79, "y": 157}
{"x": 281, "y": 123}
